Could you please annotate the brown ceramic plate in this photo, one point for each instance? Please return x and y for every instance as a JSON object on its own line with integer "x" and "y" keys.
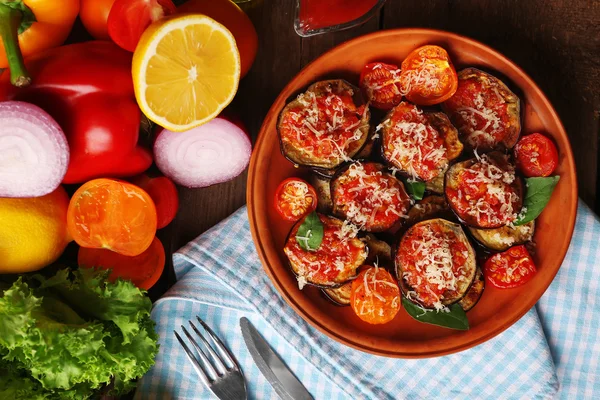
{"x": 405, "y": 337}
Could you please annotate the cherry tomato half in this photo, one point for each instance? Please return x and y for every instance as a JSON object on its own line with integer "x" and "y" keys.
{"x": 94, "y": 15}
{"x": 428, "y": 76}
{"x": 128, "y": 19}
{"x": 509, "y": 269}
{"x": 536, "y": 155}
{"x": 380, "y": 84}
{"x": 143, "y": 270}
{"x": 164, "y": 194}
{"x": 375, "y": 296}
{"x": 114, "y": 215}
{"x": 294, "y": 198}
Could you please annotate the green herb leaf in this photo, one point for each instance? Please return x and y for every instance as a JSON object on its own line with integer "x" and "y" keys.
{"x": 538, "y": 193}
{"x": 456, "y": 318}
{"x": 416, "y": 189}
{"x": 310, "y": 233}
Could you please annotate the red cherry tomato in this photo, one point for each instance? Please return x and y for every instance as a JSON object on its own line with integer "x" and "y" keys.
{"x": 380, "y": 84}
{"x": 294, "y": 198}
{"x": 128, "y": 19}
{"x": 509, "y": 269}
{"x": 428, "y": 76}
{"x": 536, "y": 155}
{"x": 164, "y": 194}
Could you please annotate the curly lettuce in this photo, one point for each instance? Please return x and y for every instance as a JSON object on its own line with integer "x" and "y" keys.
{"x": 71, "y": 334}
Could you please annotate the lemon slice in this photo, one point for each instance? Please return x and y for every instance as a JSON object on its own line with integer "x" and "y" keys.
{"x": 186, "y": 69}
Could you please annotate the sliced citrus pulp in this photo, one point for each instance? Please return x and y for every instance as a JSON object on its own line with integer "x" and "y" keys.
{"x": 186, "y": 69}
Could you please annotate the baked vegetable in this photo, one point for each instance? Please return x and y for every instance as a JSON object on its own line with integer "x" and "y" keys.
{"x": 419, "y": 144}
{"x": 501, "y": 239}
{"x": 294, "y": 198}
{"x": 379, "y": 251}
{"x": 484, "y": 192}
{"x": 323, "y": 189}
{"x": 509, "y": 269}
{"x": 435, "y": 263}
{"x": 375, "y": 296}
{"x": 380, "y": 85}
{"x": 474, "y": 293}
{"x": 429, "y": 208}
{"x": 369, "y": 197}
{"x": 536, "y": 155}
{"x": 485, "y": 111}
{"x": 340, "y": 296}
{"x": 324, "y": 126}
{"x": 428, "y": 76}
{"x": 334, "y": 261}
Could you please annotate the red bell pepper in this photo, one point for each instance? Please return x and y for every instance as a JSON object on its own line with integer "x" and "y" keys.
{"x": 87, "y": 88}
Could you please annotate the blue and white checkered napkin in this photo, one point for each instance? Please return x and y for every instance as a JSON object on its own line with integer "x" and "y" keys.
{"x": 553, "y": 351}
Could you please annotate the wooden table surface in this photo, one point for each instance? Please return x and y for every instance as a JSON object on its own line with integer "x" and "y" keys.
{"x": 557, "y": 42}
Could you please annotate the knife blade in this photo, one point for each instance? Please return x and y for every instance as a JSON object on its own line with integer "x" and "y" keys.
{"x": 287, "y": 386}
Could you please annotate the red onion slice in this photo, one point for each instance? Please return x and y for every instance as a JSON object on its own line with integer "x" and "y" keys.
{"x": 34, "y": 153}
{"x": 215, "y": 152}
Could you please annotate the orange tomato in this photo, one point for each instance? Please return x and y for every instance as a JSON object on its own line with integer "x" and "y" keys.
{"x": 428, "y": 76}
{"x": 375, "y": 296}
{"x": 143, "y": 270}
{"x": 114, "y": 215}
{"x": 233, "y": 18}
{"x": 94, "y": 15}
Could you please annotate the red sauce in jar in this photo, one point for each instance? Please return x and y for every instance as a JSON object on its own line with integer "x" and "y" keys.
{"x": 317, "y": 14}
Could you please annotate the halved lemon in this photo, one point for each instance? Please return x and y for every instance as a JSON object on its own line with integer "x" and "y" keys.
{"x": 186, "y": 70}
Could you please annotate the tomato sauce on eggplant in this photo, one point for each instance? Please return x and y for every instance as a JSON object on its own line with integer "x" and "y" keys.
{"x": 419, "y": 144}
{"x": 334, "y": 262}
{"x": 436, "y": 262}
{"x": 324, "y": 126}
{"x": 369, "y": 197}
{"x": 484, "y": 192}
{"x": 485, "y": 111}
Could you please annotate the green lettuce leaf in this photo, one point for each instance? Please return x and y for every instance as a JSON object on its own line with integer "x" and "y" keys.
{"x": 73, "y": 333}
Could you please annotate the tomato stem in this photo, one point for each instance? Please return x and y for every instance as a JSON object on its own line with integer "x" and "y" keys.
{"x": 10, "y": 21}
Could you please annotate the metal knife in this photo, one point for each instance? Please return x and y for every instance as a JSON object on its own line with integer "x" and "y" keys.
{"x": 287, "y": 386}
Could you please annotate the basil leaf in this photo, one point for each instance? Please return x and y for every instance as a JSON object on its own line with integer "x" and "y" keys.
{"x": 455, "y": 319}
{"x": 310, "y": 233}
{"x": 538, "y": 193}
{"x": 416, "y": 189}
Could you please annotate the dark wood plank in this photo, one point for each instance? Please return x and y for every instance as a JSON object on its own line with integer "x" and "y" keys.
{"x": 556, "y": 42}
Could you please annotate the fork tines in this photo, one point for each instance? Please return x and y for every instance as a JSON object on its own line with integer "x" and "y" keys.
{"x": 223, "y": 363}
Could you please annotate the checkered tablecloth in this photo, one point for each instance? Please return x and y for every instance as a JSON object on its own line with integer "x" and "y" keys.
{"x": 552, "y": 352}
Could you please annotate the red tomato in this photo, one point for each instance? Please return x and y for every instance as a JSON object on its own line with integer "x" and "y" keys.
{"x": 294, "y": 198}
{"x": 128, "y": 19}
{"x": 164, "y": 194}
{"x": 380, "y": 84}
{"x": 94, "y": 14}
{"x": 428, "y": 76}
{"x": 509, "y": 269}
{"x": 536, "y": 155}
{"x": 143, "y": 270}
{"x": 375, "y": 296}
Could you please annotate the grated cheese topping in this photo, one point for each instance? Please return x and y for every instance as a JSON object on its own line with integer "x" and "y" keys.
{"x": 433, "y": 265}
{"x": 497, "y": 206}
{"x": 414, "y": 146}
{"x": 338, "y": 256}
{"x": 367, "y": 195}
{"x": 372, "y": 285}
{"x": 324, "y": 120}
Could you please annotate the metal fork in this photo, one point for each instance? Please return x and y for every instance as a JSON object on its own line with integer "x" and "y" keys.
{"x": 223, "y": 376}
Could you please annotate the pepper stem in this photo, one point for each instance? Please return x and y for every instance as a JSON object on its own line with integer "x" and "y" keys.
{"x": 10, "y": 19}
